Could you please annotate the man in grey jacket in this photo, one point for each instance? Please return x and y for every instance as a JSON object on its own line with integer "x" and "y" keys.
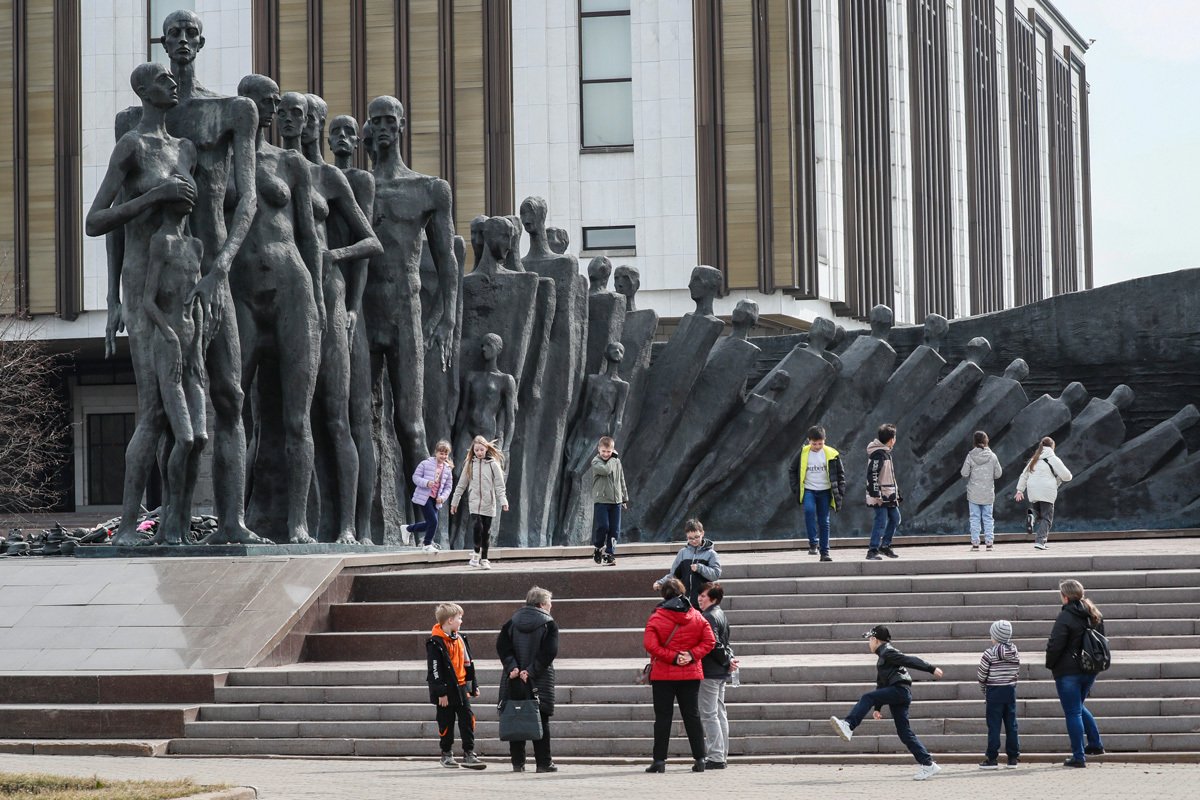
{"x": 696, "y": 565}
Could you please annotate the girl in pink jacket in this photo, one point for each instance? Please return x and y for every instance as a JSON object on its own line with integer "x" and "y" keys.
{"x": 434, "y": 479}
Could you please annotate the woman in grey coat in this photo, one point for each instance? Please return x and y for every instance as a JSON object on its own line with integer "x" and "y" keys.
{"x": 981, "y": 469}
{"x": 527, "y": 646}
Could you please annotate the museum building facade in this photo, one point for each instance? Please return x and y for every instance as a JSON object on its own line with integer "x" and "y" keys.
{"x": 824, "y": 155}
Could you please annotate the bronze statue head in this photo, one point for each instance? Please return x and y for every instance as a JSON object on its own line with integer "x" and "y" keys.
{"x": 343, "y": 135}
{"x": 293, "y": 115}
{"x": 183, "y": 36}
{"x": 155, "y": 85}
{"x": 265, "y": 94}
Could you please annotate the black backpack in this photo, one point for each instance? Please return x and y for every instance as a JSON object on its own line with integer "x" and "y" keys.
{"x": 1094, "y": 655}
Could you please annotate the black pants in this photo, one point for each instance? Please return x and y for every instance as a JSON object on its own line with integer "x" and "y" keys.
{"x": 482, "y": 526}
{"x": 466, "y": 725}
{"x": 607, "y": 528}
{"x": 429, "y": 521}
{"x": 1002, "y": 709}
{"x": 541, "y": 747}
{"x": 687, "y": 694}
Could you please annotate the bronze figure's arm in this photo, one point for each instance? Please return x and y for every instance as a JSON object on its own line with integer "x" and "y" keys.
{"x": 439, "y": 331}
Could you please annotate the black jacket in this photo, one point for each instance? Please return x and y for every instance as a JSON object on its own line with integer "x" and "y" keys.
{"x": 530, "y": 641}
{"x": 439, "y": 672}
{"x": 716, "y": 663}
{"x": 891, "y": 667}
{"x": 1066, "y": 637}
{"x": 837, "y": 477}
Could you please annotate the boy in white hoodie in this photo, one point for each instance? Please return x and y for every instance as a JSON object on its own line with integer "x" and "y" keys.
{"x": 998, "y": 671}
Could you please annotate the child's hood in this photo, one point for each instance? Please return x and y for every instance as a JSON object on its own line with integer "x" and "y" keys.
{"x": 1007, "y": 651}
{"x": 980, "y": 456}
{"x": 439, "y": 632}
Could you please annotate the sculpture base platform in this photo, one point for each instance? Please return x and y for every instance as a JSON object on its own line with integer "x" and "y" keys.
{"x": 227, "y": 550}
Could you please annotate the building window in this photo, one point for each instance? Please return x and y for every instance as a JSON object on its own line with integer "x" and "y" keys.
{"x": 156, "y": 12}
{"x": 107, "y": 437}
{"x": 614, "y": 240}
{"x": 606, "y": 73}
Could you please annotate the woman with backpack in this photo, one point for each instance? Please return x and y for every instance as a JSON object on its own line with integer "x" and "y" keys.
{"x": 1040, "y": 479}
{"x": 1072, "y": 679}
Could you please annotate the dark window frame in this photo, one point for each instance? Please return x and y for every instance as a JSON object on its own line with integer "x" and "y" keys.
{"x": 627, "y": 251}
{"x": 581, "y": 15}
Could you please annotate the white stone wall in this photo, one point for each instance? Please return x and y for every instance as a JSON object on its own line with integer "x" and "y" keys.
{"x": 958, "y": 160}
{"x": 1006, "y": 153}
{"x": 827, "y": 148}
{"x": 900, "y": 122}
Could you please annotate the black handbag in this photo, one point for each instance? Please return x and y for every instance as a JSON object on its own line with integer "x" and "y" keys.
{"x": 520, "y": 719}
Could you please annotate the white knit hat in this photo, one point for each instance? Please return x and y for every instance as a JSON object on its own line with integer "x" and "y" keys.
{"x": 1001, "y": 631}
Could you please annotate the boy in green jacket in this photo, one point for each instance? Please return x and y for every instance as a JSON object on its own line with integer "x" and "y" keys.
{"x": 610, "y": 496}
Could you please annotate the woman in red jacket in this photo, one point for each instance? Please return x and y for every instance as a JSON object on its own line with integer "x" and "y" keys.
{"x": 677, "y": 636}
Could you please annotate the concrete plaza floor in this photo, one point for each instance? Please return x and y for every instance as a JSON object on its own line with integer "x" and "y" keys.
{"x": 361, "y": 779}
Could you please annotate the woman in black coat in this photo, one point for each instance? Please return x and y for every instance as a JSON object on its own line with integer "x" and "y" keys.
{"x": 527, "y": 646}
{"x": 1073, "y": 684}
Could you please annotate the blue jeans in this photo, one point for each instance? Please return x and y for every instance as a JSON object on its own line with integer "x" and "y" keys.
{"x": 816, "y": 517}
{"x": 981, "y": 517}
{"x": 429, "y": 521}
{"x": 607, "y": 518}
{"x": 897, "y": 698}
{"x": 1072, "y": 693}
{"x": 1002, "y": 709}
{"x": 887, "y": 519}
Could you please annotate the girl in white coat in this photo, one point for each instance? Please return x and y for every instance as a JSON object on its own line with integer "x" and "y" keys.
{"x": 483, "y": 483}
{"x": 1040, "y": 480}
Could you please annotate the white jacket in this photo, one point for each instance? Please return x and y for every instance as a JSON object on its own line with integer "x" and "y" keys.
{"x": 1041, "y": 485}
{"x": 482, "y": 481}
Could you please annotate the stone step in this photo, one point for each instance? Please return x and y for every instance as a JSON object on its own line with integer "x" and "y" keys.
{"x": 865, "y": 742}
{"x": 44, "y": 721}
{"x": 765, "y": 694}
{"x": 629, "y": 612}
{"x": 1034, "y": 598}
{"x": 738, "y": 710}
{"x": 505, "y": 584}
{"x": 627, "y": 643}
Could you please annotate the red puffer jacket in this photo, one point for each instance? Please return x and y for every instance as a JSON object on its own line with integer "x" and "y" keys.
{"x": 694, "y": 636}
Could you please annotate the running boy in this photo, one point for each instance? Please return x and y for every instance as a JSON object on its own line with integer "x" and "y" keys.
{"x": 609, "y": 496}
{"x": 821, "y": 484}
{"x": 892, "y": 683}
{"x": 998, "y": 668}
{"x": 451, "y": 677}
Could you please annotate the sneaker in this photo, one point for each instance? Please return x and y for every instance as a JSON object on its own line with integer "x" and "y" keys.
{"x": 714, "y": 765}
{"x": 873, "y": 555}
{"x": 596, "y": 556}
{"x": 1093, "y": 751}
{"x": 1030, "y": 519}
{"x": 429, "y": 548}
{"x": 551, "y": 767}
{"x": 1071, "y": 762}
{"x": 842, "y": 728}
{"x": 448, "y": 759}
{"x": 812, "y": 550}
{"x": 989, "y": 763}
{"x": 471, "y": 761}
{"x": 485, "y": 564}
{"x": 608, "y": 561}
{"x": 890, "y": 553}
{"x": 1040, "y": 546}
{"x": 826, "y": 557}
{"x": 474, "y": 562}
{"x": 927, "y": 771}
{"x": 989, "y": 548}
{"x": 974, "y": 547}
{"x": 1012, "y": 763}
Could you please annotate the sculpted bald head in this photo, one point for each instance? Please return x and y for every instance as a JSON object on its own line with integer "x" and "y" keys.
{"x": 183, "y": 36}
{"x": 154, "y": 84}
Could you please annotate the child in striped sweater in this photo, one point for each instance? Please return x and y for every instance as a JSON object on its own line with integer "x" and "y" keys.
{"x": 998, "y": 671}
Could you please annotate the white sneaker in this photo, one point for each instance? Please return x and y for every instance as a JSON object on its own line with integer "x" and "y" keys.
{"x": 474, "y": 562}
{"x": 1040, "y": 546}
{"x": 843, "y": 729}
{"x": 429, "y": 548}
{"x": 927, "y": 771}
{"x": 485, "y": 564}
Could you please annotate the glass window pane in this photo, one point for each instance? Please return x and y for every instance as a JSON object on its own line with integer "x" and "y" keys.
{"x": 157, "y": 10}
{"x": 604, "y": 5}
{"x": 609, "y": 238}
{"x": 607, "y": 114}
{"x": 606, "y": 48}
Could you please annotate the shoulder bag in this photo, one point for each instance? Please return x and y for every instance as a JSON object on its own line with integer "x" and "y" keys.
{"x": 643, "y": 676}
{"x": 520, "y": 719}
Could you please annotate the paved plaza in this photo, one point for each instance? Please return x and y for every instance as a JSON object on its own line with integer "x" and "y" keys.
{"x": 306, "y": 779}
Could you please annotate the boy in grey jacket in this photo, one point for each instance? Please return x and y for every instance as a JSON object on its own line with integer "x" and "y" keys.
{"x": 696, "y": 565}
{"x": 981, "y": 469}
{"x": 609, "y": 496}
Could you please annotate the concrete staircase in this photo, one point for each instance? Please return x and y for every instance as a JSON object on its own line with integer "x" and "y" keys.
{"x": 796, "y": 626}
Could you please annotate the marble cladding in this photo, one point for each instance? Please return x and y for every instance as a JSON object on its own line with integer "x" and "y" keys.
{"x": 153, "y": 614}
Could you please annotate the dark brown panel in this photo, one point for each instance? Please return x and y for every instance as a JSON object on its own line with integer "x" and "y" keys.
{"x": 1062, "y": 177}
{"x": 760, "y": 32}
{"x": 265, "y": 42}
{"x": 498, "y": 102}
{"x": 68, "y": 230}
{"x": 446, "y": 89}
{"x": 1085, "y": 162}
{"x": 21, "y": 156}
{"x": 1026, "y": 170}
{"x": 316, "y": 75}
{"x": 710, "y": 140}
{"x": 403, "y": 68}
{"x": 805, "y": 213}
{"x": 983, "y": 157}
{"x": 358, "y": 60}
{"x": 866, "y": 155}
{"x": 933, "y": 199}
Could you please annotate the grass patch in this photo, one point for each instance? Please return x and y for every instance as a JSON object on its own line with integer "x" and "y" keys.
{"x": 36, "y": 786}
